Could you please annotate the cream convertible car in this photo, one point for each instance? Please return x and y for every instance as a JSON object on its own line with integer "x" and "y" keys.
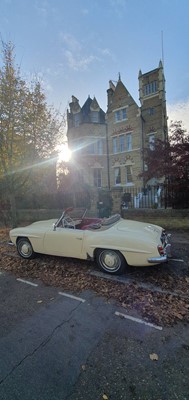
{"x": 112, "y": 242}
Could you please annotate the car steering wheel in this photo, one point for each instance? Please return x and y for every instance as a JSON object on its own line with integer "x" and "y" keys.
{"x": 68, "y": 222}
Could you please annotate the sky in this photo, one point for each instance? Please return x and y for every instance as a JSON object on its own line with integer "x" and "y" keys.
{"x": 76, "y": 46}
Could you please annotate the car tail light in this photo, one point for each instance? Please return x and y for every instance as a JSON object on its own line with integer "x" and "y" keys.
{"x": 161, "y": 250}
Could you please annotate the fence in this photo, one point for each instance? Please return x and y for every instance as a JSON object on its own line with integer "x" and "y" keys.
{"x": 115, "y": 200}
{"x": 162, "y": 196}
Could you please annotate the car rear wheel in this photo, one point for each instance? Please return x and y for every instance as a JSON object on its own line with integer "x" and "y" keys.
{"x": 25, "y": 248}
{"x": 111, "y": 261}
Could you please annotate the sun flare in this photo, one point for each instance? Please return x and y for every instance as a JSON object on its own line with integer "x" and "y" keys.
{"x": 64, "y": 153}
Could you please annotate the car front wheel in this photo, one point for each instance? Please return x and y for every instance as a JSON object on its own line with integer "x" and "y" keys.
{"x": 25, "y": 248}
{"x": 110, "y": 261}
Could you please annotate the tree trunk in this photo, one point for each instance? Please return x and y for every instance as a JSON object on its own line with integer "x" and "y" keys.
{"x": 13, "y": 212}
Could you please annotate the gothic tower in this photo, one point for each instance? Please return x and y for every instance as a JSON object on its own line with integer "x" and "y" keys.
{"x": 153, "y": 106}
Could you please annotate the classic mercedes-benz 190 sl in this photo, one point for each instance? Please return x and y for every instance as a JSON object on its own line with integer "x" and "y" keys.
{"x": 113, "y": 243}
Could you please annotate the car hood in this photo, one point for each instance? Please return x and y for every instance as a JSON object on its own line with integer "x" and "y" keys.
{"x": 39, "y": 226}
{"x": 47, "y": 223}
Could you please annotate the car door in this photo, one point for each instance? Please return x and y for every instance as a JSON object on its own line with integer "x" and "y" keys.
{"x": 64, "y": 242}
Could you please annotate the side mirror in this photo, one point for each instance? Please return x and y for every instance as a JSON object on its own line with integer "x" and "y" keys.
{"x": 54, "y": 227}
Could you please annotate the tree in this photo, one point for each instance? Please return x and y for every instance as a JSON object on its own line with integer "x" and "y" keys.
{"x": 169, "y": 160}
{"x": 29, "y": 131}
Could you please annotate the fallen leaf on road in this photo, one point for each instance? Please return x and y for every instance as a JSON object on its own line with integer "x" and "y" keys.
{"x": 154, "y": 357}
{"x": 105, "y": 397}
{"x": 165, "y": 302}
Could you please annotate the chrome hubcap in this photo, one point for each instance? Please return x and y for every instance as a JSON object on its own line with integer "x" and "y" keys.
{"x": 110, "y": 261}
{"x": 25, "y": 249}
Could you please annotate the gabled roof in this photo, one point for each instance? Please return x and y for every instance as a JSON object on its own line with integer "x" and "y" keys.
{"x": 120, "y": 88}
{"x": 86, "y": 107}
{"x": 122, "y": 95}
{"x": 89, "y": 106}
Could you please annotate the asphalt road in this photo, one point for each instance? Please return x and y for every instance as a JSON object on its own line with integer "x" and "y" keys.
{"x": 54, "y": 347}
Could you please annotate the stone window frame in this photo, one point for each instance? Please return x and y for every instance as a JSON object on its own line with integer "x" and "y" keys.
{"x": 97, "y": 177}
{"x": 115, "y": 149}
{"x": 120, "y": 114}
{"x": 95, "y": 117}
{"x": 100, "y": 147}
{"x": 150, "y": 88}
{"x": 117, "y": 176}
{"x": 129, "y": 142}
{"x": 129, "y": 175}
{"x": 151, "y": 141}
{"x": 122, "y": 143}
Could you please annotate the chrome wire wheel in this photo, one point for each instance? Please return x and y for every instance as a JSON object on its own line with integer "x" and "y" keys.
{"x": 25, "y": 248}
{"x": 110, "y": 261}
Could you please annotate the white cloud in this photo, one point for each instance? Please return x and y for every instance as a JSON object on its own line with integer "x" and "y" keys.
{"x": 105, "y": 52}
{"x": 75, "y": 53}
{"x": 71, "y": 43}
{"x": 55, "y": 71}
{"x": 77, "y": 62}
{"x": 179, "y": 112}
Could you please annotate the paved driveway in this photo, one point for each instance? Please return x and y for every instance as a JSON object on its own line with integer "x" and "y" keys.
{"x": 56, "y": 345}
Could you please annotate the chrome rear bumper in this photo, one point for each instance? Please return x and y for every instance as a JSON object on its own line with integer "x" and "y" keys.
{"x": 166, "y": 250}
{"x": 158, "y": 260}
